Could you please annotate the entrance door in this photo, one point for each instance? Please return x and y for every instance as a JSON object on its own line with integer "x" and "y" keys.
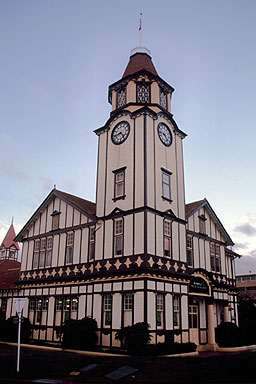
{"x": 193, "y": 323}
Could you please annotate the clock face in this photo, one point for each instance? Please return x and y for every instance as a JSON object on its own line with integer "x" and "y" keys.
{"x": 120, "y": 132}
{"x": 164, "y": 134}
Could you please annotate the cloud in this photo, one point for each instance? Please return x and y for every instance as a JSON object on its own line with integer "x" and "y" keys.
{"x": 241, "y": 246}
{"x": 8, "y": 164}
{"x": 246, "y": 264}
{"x": 246, "y": 229}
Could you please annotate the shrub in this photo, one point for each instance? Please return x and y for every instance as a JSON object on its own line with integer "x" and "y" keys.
{"x": 228, "y": 335}
{"x": 10, "y": 329}
{"x": 170, "y": 348}
{"x": 134, "y": 338}
{"x": 79, "y": 334}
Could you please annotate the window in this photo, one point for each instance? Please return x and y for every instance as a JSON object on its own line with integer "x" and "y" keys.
{"x": 48, "y": 261}
{"x": 38, "y": 309}
{"x": 69, "y": 250}
{"x": 167, "y": 238}
{"x": 193, "y": 316}
{"x": 121, "y": 97}
{"x": 91, "y": 243}
{"x": 66, "y": 309}
{"x": 202, "y": 224}
{"x": 190, "y": 250}
{"x": 128, "y": 308}
{"x": 215, "y": 257}
{"x": 166, "y": 185}
{"x": 118, "y": 237}
{"x": 176, "y": 311}
{"x": 119, "y": 184}
{"x": 36, "y": 254}
{"x": 163, "y": 98}
{"x": 160, "y": 310}
{"x": 107, "y": 310}
{"x": 55, "y": 220}
{"x": 42, "y": 253}
{"x": 4, "y": 307}
{"x": 143, "y": 93}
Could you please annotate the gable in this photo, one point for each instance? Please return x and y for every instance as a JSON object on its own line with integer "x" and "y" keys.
{"x": 71, "y": 211}
{"x": 215, "y": 229}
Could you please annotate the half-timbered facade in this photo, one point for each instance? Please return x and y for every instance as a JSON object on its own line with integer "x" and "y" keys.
{"x": 139, "y": 253}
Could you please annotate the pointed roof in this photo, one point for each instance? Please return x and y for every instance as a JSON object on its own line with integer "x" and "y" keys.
{"x": 196, "y": 205}
{"x": 138, "y": 62}
{"x": 8, "y": 241}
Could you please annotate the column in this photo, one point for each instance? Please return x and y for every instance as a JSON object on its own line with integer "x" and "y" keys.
{"x": 226, "y": 314}
{"x": 211, "y": 331}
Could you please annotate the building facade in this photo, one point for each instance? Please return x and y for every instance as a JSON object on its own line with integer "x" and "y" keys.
{"x": 139, "y": 253}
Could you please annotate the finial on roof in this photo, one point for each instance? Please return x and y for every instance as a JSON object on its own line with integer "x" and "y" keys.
{"x": 12, "y": 219}
{"x": 140, "y": 28}
{"x": 54, "y": 186}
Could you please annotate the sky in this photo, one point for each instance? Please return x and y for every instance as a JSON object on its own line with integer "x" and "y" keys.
{"x": 57, "y": 59}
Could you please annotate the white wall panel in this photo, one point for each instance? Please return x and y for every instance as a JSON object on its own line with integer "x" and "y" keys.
{"x": 152, "y": 310}
{"x": 117, "y": 305}
{"x": 138, "y": 307}
{"x": 97, "y": 308}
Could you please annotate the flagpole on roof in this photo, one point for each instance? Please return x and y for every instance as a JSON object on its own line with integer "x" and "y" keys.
{"x": 140, "y": 28}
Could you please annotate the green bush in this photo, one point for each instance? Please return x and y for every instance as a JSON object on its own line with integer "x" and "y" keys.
{"x": 134, "y": 338}
{"x": 9, "y": 330}
{"x": 79, "y": 334}
{"x": 228, "y": 335}
{"x": 170, "y": 348}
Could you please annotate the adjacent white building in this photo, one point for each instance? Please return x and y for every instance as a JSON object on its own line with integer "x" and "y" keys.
{"x": 139, "y": 253}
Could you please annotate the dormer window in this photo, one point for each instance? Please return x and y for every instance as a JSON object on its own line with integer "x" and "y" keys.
{"x": 202, "y": 224}
{"x": 163, "y": 98}
{"x": 143, "y": 93}
{"x": 121, "y": 97}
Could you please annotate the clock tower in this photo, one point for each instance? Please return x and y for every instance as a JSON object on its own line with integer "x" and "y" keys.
{"x": 140, "y": 179}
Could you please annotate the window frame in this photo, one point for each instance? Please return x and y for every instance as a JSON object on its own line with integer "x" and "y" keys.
{"x": 168, "y": 174}
{"x": 162, "y": 91}
{"x": 117, "y": 183}
{"x": 167, "y": 237}
{"x": 143, "y": 84}
{"x": 91, "y": 242}
{"x": 190, "y": 249}
{"x": 160, "y": 310}
{"x": 121, "y": 89}
{"x": 69, "y": 248}
{"x": 107, "y": 310}
{"x": 215, "y": 257}
{"x": 176, "y": 312}
{"x": 118, "y": 236}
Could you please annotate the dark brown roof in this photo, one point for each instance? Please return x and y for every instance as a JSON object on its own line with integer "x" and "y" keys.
{"x": 138, "y": 62}
{"x": 9, "y": 273}
{"x": 192, "y": 206}
{"x": 8, "y": 241}
{"x": 83, "y": 204}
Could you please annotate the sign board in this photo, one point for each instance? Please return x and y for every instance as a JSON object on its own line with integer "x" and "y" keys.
{"x": 19, "y": 303}
{"x": 198, "y": 285}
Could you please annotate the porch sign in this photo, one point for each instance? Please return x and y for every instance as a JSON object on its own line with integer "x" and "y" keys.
{"x": 198, "y": 285}
{"x": 19, "y": 304}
